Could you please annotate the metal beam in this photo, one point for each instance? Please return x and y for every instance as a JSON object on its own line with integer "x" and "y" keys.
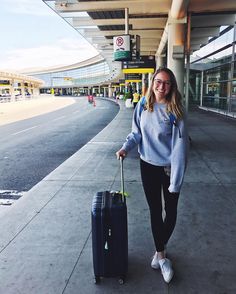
{"x": 143, "y": 33}
{"x": 213, "y": 20}
{"x": 138, "y": 23}
{"x": 198, "y": 6}
{"x": 135, "y": 6}
{"x": 178, "y": 10}
{"x": 205, "y": 32}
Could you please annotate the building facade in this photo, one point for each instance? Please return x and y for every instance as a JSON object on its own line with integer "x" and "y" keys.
{"x": 213, "y": 75}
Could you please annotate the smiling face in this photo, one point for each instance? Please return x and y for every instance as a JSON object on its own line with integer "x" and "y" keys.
{"x": 161, "y": 86}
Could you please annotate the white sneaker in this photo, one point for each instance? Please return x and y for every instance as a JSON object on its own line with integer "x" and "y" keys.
{"x": 155, "y": 262}
{"x": 166, "y": 269}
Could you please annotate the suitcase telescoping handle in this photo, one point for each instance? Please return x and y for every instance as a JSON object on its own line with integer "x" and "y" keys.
{"x": 122, "y": 179}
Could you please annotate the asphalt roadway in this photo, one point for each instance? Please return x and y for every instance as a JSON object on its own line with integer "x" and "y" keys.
{"x": 45, "y": 240}
{"x": 31, "y": 148}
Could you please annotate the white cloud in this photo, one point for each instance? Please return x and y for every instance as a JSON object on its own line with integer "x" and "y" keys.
{"x": 31, "y": 45}
{"x": 63, "y": 52}
{"x": 32, "y": 7}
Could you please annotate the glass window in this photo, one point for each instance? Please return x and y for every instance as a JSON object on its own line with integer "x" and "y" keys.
{"x": 224, "y": 89}
{"x": 233, "y": 105}
{"x": 234, "y": 70}
{"x": 88, "y": 75}
{"x": 211, "y": 89}
{"x": 234, "y": 89}
{"x": 218, "y": 43}
{"x": 225, "y": 71}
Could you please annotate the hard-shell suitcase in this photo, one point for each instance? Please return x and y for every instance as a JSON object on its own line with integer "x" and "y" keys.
{"x": 110, "y": 234}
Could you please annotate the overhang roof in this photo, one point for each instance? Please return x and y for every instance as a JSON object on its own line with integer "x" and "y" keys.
{"x": 20, "y": 77}
{"x": 147, "y": 18}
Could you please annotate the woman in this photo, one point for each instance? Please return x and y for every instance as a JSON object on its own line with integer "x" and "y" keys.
{"x": 159, "y": 129}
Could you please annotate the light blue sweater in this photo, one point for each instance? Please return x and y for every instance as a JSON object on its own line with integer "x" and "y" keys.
{"x": 159, "y": 142}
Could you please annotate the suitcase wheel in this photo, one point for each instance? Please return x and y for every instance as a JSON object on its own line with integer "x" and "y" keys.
{"x": 97, "y": 280}
{"x": 121, "y": 280}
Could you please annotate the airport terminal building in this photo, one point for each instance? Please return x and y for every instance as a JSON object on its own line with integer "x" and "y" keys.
{"x": 46, "y": 240}
{"x": 15, "y": 86}
{"x": 212, "y": 80}
{"x": 195, "y": 39}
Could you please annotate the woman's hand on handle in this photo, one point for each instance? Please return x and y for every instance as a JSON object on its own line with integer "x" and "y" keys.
{"x": 121, "y": 153}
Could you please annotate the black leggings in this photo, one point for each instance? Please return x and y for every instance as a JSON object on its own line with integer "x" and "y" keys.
{"x": 154, "y": 181}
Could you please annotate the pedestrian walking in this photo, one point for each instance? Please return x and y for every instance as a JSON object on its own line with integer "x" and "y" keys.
{"x": 159, "y": 129}
{"x": 136, "y": 97}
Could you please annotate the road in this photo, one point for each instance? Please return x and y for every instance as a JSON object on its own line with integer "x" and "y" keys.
{"x": 30, "y": 149}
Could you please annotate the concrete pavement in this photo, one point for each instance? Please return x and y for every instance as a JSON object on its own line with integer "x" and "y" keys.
{"x": 45, "y": 241}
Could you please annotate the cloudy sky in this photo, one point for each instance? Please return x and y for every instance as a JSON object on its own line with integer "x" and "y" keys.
{"x": 33, "y": 35}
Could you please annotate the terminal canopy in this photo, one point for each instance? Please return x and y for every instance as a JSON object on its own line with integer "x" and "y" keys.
{"x": 100, "y": 21}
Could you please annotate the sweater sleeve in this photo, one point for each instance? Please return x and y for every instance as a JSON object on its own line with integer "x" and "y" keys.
{"x": 134, "y": 137}
{"x": 179, "y": 155}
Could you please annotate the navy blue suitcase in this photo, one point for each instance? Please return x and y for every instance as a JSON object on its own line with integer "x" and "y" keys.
{"x": 110, "y": 235}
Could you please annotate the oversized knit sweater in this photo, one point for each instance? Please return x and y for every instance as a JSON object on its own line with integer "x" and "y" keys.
{"x": 160, "y": 142}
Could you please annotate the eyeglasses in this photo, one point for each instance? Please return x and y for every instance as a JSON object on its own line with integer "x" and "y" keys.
{"x": 160, "y": 82}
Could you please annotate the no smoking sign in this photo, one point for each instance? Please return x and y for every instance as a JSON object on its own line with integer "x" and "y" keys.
{"x": 119, "y": 41}
{"x": 122, "y": 47}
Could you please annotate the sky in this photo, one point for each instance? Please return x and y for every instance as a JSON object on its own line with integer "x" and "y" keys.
{"x": 33, "y": 35}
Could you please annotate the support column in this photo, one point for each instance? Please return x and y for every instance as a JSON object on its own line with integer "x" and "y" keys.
{"x": 149, "y": 78}
{"x": 126, "y": 21}
{"x": 175, "y": 57}
{"x": 232, "y": 72}
{"x": 89, "y": 91}
{"x": 110, "y": 91}
{"x": 144, "y": 83}
{"x": 160, "y": 61}
{"x": 12, "y": 92}
{"x": 201, "y": 95}
{"x": 35, "y": 90}
{"x": 187, "y": 62}
{"x": 23, "y": 89}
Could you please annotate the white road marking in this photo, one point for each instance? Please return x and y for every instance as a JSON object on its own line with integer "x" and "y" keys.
{"x": 59, "y": 118}
{"x": 23, "y": 131}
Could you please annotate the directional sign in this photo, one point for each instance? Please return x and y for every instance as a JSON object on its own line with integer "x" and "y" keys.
{"x": 144, "y": 62}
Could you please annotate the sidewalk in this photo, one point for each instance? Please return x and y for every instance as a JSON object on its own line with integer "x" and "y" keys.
{"x": 45, "y": 241}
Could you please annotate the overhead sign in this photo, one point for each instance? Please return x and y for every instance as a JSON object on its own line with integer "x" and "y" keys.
{"x": 4, "y": 82}
{"x": 138, "y": 70}
{"x": 121, "y": 45}
{"x": 144, "y": 62}
{"x": 133, "y": 76}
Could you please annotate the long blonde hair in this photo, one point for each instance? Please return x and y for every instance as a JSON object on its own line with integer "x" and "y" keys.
{"x": 173, "y": 99}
